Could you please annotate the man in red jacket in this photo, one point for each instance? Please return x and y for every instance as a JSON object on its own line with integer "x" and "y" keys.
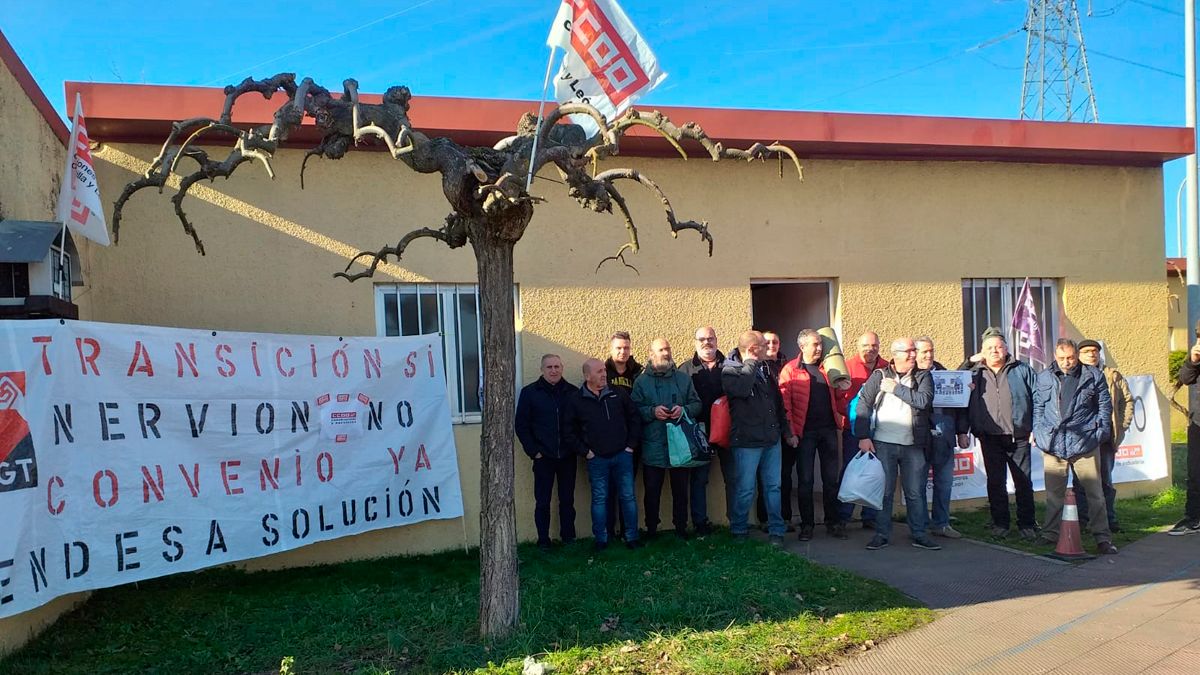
{"x": 808, "y": 398}
{"x": 860, "y": 366}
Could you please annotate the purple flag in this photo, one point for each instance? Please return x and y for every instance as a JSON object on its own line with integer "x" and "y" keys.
{"x": 1029, "y": 330}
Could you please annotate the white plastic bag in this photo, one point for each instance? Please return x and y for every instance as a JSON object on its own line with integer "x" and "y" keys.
{"x": 863, "y": 482}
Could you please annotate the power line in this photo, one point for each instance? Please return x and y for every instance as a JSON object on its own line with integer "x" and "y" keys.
{"x": 1136, "y": 63}
{"x": 1151, "y": 5}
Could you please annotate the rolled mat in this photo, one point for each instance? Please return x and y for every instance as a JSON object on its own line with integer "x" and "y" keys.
{"x": 834, "y": 362}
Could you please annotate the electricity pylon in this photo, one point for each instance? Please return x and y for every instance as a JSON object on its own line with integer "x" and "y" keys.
{"x": 1058, "y": 83}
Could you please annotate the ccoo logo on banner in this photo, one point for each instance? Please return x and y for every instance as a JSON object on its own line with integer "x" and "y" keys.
{"x": 1142, "y": 455}
{"x": 132, "y": 452}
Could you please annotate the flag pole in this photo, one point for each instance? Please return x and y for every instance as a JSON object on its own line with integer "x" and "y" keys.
{"x": 538, "y": 130}
{"x": 62, "y": 248}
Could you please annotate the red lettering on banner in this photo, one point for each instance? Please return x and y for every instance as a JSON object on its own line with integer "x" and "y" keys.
{"x": 152, "y": 483}
{"x": 964, "y": 464}
{"x": 112, "y": 488}
{"x": 140, "y": 363}
{"x": 410, "y": 367}
{"x": 193, "y": 481}
{"x": 254, "y": 358}
{"x": 53, "y": 508}
{"x": 432, "y": 371}
{"x": 372, "y": 363}
{"x": 44, "y": 340}
{"x": 228, "y": 476}
{"x": 396, "y": 457}
{"x": 326, "y": 475}
{"x": 422, "y": 459}
{"x": 312, "y": 352}
{"x": 1129, "y": 451}
{"x": 604, "y": 51}
{"x": 227, "y": 367}
{"x": 267, "y": 474}
{"x": 279, "y": 362}
{"x": 187, "y": 356}
{"x": 90, "y": 359}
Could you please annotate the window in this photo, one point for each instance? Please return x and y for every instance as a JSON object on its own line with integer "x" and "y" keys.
{"x": 990, "y": 302}
{"x": 452, "y": 310}
{"x": 14, "y": 280}
{"x": 60, "y": 263}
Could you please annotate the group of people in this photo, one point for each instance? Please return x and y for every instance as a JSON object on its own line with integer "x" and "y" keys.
{"x": 789, "y": 418}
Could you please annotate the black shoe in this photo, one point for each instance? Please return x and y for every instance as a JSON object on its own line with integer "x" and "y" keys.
{"x": 838, "y": 531}
{"x": 681, "y": 534}
{"x": 652, "y": 533}
{"x": 806, "y": 533}
{"x": 543, "y": 546}
{"x": 926, "y": 543}
{"x": 633, "y": 545}
{"x": 1106, "y": 548}
{"x": 567, "y": 541}
{"x": 704, "y": 529}
{"x": 1185, "y": 526}
{"x": 599, "y": 546}
{"x": 877, "y": 542}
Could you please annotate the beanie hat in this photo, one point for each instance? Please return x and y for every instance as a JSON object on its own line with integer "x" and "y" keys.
{"x": 1084, "y": 344}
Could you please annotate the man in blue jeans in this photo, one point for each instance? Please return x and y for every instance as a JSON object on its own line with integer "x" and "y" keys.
{"x": 759, "y": 423}
{"x": 900, "y": 399}
{"x": 602, "y": 425}
{"x": 948, "y": 429}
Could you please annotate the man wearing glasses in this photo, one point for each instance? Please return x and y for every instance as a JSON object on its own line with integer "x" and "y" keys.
{"x": 705, "y": 370}
{"x": 892, "y": 421}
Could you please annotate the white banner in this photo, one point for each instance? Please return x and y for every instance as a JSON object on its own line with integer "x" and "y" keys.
{"x": 132, "y": 452}
{"x": 606, "y": 61}
{"x": 1142, "y": 455}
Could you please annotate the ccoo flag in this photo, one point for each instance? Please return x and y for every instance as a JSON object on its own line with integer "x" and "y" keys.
{"x": 607, "y": 63}
{"x": 79, "y": 206}
{"x": 1029, "y": 329}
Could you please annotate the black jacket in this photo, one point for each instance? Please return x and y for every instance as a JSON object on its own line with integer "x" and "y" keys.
{"x": 1189, "y": 373}
{"x": 604, "y": 424}
{"x": 755, "y": 406}
{"x": 707, "y": 382}
{"x": 540, "y": 412}
{"x": 623, "y": 382}
{"x": 919, "y": 398}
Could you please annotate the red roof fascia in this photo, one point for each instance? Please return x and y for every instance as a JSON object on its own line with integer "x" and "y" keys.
{"x": 1176, "y": 266}
{"x": 143, "y": 113}
{"x": 15, "y": 66}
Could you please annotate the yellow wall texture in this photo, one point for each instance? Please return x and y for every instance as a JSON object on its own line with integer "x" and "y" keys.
{"x": 897, "y": 238}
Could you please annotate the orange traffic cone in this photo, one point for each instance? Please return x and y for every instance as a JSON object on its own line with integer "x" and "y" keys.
{"x": 1070, "y": 544}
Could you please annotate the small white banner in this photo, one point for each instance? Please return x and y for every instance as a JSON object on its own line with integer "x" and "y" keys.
{"x": 133, "y": 452}
{"x": 951, "y": 388}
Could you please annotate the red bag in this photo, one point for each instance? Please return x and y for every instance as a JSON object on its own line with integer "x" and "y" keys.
{"x": 719, "y": 423}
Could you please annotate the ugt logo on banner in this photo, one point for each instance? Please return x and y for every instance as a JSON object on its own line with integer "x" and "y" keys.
{"x": 18, "y": 464}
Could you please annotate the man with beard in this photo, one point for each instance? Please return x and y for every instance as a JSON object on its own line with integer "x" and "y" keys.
{"x": 705, "y": 370}
{"x": 662, "y": 395}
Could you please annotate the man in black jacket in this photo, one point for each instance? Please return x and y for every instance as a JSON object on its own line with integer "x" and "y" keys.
{"x": 1189, "y": 373}
{"x": 705, "y": 371}
{"x": 622, "y": 371}
{"x": 759, "y": 425}
{"x": 540, "y": 411}
{"x": 602, "y": 424}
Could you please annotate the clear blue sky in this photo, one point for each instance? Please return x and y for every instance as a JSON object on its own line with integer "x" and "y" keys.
{"x": 912, "y": 57}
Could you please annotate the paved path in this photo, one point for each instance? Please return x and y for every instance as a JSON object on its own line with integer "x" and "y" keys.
{"x": 1003, "y": 611}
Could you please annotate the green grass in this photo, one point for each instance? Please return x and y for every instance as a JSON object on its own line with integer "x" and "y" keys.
{"x": 710, "y": 605}
{"x": 1138, "y": 516}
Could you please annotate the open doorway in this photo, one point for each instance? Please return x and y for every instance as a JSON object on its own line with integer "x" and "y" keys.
{"x": 789, "y": 306}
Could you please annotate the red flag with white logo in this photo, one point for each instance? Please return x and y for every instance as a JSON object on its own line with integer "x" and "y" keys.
{"x": 607, "y": 63}
{"x": 79, "y": 206}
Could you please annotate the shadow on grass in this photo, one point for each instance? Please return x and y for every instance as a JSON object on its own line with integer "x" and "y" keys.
{"x": 706, "y": 605}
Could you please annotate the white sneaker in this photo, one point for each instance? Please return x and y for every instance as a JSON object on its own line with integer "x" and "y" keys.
{"x": 947, "y": 532}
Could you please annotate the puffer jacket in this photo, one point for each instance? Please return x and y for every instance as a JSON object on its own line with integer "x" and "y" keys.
{"x": 669, "y": 388}
{"x": 795, "y": 389}
{"x": 1087, "y": 421}
{"x": 1021, "y": 382}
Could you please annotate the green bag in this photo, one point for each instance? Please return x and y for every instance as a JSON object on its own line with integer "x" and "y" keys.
{"x": 687, "y": 443}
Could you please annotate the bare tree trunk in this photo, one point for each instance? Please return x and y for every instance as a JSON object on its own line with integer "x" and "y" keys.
{"x": 499, "y": 602}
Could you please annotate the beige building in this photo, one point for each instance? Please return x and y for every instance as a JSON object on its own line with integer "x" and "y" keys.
{"x": 903, "y": 225}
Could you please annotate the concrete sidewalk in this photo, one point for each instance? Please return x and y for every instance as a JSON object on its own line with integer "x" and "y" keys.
{"x": 1004, "y": 611}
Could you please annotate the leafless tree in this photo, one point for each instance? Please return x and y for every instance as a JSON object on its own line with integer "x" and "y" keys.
{"x": 490, "y": 209}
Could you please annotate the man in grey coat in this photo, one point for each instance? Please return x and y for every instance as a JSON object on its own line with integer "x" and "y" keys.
{"x": 1072, "y": 418}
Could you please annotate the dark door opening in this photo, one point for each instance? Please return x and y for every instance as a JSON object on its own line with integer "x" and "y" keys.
{"x": 788, "y": 307}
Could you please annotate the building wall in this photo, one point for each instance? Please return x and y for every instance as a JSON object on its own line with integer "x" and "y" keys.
{"x": 896, "y": 238}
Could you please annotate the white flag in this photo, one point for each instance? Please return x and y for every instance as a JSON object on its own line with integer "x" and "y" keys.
{"x": 79, "y": 206}
{"x": 607, "y": 63}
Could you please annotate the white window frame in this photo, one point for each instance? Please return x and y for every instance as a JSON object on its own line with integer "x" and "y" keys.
{"x": 60, "y": 273}
{"x": 1047, "y": 287}
{"x": 450, "y": 321}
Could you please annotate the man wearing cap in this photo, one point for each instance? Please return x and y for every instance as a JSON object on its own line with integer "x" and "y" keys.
{"x": 1000, "y": 414}
{"x": 1072, "y": 417}
{"x": 1106, "y": 456}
